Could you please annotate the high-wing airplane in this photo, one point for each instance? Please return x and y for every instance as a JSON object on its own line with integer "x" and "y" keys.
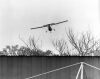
{"x": 49, "y": 25}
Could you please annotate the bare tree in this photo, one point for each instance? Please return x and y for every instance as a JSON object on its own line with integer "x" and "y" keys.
{"x": 31, "y": 44}
{"x": 33, "y": 48}
{"x": 86, "y": 45}
{"x": 61, "y": 46}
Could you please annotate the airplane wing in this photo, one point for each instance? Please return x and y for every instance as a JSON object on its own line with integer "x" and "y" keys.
{"x": 39, "y": 27}
{"x": 58, "y": 23}
{"x": 61, "y": 22}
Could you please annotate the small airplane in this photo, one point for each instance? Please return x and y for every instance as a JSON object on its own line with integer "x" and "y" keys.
{"x": 49, "y": 25}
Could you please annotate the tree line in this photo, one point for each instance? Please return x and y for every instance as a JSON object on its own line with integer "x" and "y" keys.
{"x": 84, "y": 45}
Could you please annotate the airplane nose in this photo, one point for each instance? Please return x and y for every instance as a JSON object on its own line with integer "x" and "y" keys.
{"x": 49, "y": 28}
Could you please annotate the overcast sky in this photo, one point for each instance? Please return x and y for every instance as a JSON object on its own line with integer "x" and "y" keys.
{"x": 18, "y": 16}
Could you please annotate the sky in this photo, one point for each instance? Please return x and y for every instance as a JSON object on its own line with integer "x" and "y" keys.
{"x": 18, "y": 16}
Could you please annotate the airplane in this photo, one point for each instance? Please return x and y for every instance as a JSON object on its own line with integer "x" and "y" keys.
{"x": 49, "y": 25}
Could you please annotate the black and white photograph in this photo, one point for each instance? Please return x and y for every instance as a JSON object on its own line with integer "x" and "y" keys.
{"x": 49, "y": 28}
{"x": 49, "y": 39}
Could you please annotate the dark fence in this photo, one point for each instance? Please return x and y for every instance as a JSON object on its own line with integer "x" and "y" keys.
{"x": 25, "y": 67}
